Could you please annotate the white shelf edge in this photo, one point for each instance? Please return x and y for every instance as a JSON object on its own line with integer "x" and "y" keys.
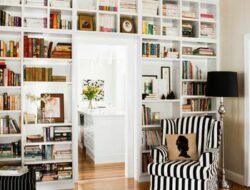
{"x": 47, "y": 143}
{"x": 10, "y": 135}
{"x": 161, "y": 101}
{"x": 46, "y": 161}
{"x": 194, "y": 80}
{"x": 199, "y": 112}
{"x": 10, "y": 159}
{"x": 46, "y": 83}
{"x": 47, "y": 124}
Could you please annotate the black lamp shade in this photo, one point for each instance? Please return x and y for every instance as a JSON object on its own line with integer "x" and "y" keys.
{"x": 222, "y": 84}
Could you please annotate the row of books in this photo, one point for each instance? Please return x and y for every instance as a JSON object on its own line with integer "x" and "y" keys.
{"x": 197, "y": 105}
{"x": 47, "y": 152}
{"x": 191, "y": 71}
{"x": 9, "y": 48}
{"x": 169, "y": 30}
{"x": 194, "y": 88}
{"x": 170, "y": 8}
{"x": 36, "y": 2}
{"x": 146, "y": 159}
{"x": 56, "y": 21}
{"x": 108, "y": 5}
{"x": 150, "y": 7}
{"x": 35, "y": 22}
{"x": 10, "y": 150}
{"x": 107, "y": 23}
{"x": 149, "y": 117}
{"x": 208, "y": 30}
{"x": 7, "y": 20}
{"x": 10, "y": 102}
{"x": 9, "y": 125}
{"x": 41, "y": 74}
{"x": 128, "y": 6}
{"x": 189, "y": 14}
{"x": 205, "y": 51}
{"x": 51, "y": 172}
{"x": 188, "y": 29}
{"x": 151, "y": 139}
{"x": 41, "y": 48}
{"x": 158, "y": 51}
{"x": 207, "y": 16}
{"x": 9, "y": 78}
{"x": 57, "y": 133}
{"x": 150, "y": 27}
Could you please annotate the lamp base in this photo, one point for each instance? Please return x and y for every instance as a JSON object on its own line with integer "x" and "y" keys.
{"x": 224, "y": 184}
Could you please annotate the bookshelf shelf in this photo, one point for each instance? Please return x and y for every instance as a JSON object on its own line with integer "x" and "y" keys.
{"x": 198, "y": 57}
{"x": 10, "y": 111}
{"x": 10, "y": 58}
{"x": 47, "y": 143}
{"x": 60, "y": 9}
{"x": 194, "y": 97}
{"x": 200, "y": 112}
{"x": 35, "y": 7}
{"x": 10, "y": 87}
{"x": 46, "y": 161}
{"x": 10, "y": 5}
{"x": 46, "y": 125}
{"x": 46, "y": 60}
{"x": 10, "y": 135}
{"x": 159, "y": 59}
{"x": 46, "y": 83}
{"x": 193, "y": 80}
{"x": 161, "y": 101}
{"x": 10, "y": 159}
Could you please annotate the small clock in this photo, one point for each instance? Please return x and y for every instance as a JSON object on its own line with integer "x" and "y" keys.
{"x": 127, "y": 25}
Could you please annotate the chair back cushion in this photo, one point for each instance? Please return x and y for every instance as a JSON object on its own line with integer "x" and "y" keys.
{"x": 206, "y": 129}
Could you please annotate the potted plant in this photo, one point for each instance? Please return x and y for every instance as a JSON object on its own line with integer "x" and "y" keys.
{"x": 90, "y": 93}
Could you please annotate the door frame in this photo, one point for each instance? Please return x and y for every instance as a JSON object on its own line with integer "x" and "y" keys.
{"x": 131, "y": 85}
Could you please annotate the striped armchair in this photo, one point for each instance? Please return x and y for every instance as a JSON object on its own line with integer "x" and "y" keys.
{"x": 187, "y": 175}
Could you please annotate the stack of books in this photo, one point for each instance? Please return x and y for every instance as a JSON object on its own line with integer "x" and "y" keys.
{"x": 64, "y": 171}
{"x": 150, "y": 27}
{"x": 151, "y": 97}
{"x": 207, "y": 30}
{"x": 204, "y": 51}
{"x": 13, "y": 170}
{"x": 189, "y": 14}
{"x": 191, "y": 105}
{"x": 36, "y": 2}
{"x": 62, "y": 133}
{"x": 60, "y": 3}
{"x": 149, "y": 117}
{"x": 169, "y": 30}
{"x": 194, "y": 88}
{"x": 35, "y": 22}
{"x": 34, "y": 138}
{"x": 9, "y": 125}
{"x": 207, "y": 16}
{"x": 7, "y": 20}
{"x": 187, "y": 29}
{"x": 128, "y": 6}
{"x": 62, "y": 153}
{"x": 56, "y": 21}
{"x": 62, "y": 50}
{"x": 9, "y": 49}
{"x": 49, "y": 176}
{"x": 8, "y": 77}
{"x": 151, "y": 7}
{"x": 10, "y": 102}
{"x": 170, "y": 9}
{"x": 107, "y": 23}
{"x": 151, "y": 139}
{"x": 33, "y": 153}
{"x": 108, "y": 5}
{"x": 158, "y": 51}
{"x": 191, "y": 71}
{"x": 10, "y": 150}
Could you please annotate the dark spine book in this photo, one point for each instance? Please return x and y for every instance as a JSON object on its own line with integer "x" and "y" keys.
{"x": 48, "y": 134}
{"x": 1, "y": 77}
{"x": 16, "y": 125}
{"x": 26, "y": 46}
{"x": 8, "y": 123}
{"x": 8, "y": 102}
{"x": 50, "y": 49}
{"x": 5, "y": 101}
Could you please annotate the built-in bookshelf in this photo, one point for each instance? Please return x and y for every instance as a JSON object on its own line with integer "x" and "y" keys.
{"x": 178, "y": 41}
{"x": 179, "y": 45}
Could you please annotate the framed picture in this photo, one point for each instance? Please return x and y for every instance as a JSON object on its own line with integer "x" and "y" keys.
{"x": 147, "y": 82}
{"x": 127, "y": 25}
{"x": 86, "y": 22}
{"x": 187, "y": 50}
{"x": 165, "y": 74}
{"x": 54, "y": 109}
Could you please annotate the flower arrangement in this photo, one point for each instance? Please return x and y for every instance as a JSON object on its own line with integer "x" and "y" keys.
{"x": 90, "y": 93}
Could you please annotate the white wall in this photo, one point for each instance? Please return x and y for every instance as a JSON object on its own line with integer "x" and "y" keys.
{"x": 103, "y": 62}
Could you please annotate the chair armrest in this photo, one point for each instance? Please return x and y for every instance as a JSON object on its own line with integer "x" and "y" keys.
{"x": 159, "y": 154}
{"x": 209, "y": 157}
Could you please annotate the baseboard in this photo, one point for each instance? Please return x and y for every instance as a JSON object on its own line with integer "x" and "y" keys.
{"x": 235, "y": 177}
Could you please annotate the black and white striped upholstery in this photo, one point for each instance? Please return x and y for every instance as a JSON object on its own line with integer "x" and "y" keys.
{"x": 187, "y": 175}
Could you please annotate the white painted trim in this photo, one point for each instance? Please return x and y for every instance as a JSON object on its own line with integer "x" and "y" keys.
{"x": 235, "y": 177}
{"x": 247, "y": 107}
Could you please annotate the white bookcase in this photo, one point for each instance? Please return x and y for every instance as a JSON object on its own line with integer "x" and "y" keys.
{"x": 147, "y": 65}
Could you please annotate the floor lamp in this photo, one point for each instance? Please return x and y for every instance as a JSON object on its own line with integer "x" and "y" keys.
{"x": 222, "y": 84}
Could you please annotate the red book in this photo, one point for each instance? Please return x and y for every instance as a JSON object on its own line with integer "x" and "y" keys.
{"x": 26, "y": 47}
{"x": 30, "y": 47}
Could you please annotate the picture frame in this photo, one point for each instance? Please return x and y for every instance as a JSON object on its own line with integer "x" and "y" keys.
{"x": 86, "y": 22}
{"x": 127, "y": 25}
{"x": 166, "y": 74}
{"x": 147, "y": 83}
{"x": 187, "y": 50}
{"x": 54, "y": 109}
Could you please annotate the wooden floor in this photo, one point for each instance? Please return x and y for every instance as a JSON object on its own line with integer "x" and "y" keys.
{"x": 123, "y": 184}
{"x": 88, "y": 170}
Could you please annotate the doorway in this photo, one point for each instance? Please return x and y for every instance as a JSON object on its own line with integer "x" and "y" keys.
{"x": 106, "y": 133}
